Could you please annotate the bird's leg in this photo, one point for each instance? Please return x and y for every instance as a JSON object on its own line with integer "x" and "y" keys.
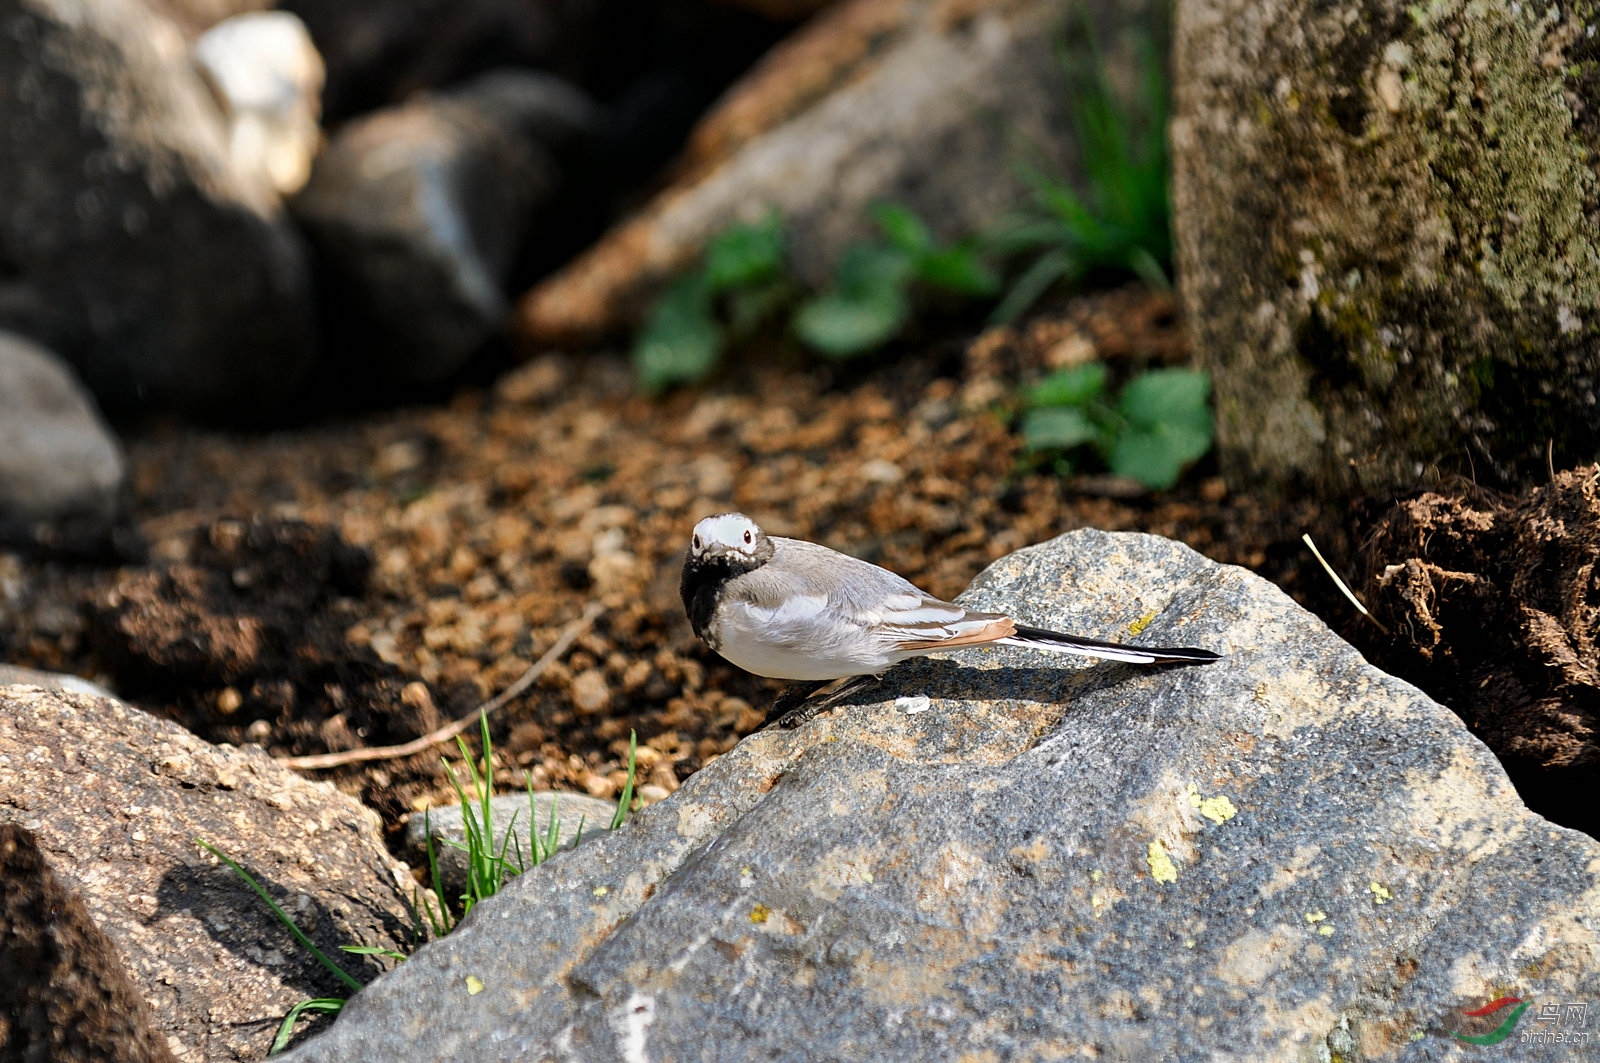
{"x": 819, "y": 698}
{"x": 791, "y": 697}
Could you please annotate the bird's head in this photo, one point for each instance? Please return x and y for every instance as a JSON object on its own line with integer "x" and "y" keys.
{"x": 731, "y": 536}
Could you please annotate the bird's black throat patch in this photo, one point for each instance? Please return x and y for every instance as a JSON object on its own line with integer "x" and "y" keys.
{"x": 702, "y": 585}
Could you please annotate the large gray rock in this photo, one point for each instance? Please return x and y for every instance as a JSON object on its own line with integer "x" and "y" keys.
{"x": 1287, "y": 855}
{"x": 114, "y": 800}
{"x": 57, "y": 456}
{"x": 128, "y": 243}
{"x": 419, "y": 212}
{"x": 1387, "y": 221}
{"x": 898, "y": 100}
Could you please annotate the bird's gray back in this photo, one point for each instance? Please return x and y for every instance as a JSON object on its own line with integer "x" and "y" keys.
{"x": 855, "y": 586}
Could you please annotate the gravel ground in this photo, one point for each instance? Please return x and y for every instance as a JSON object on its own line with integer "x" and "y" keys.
{"x": 495, "y": 519}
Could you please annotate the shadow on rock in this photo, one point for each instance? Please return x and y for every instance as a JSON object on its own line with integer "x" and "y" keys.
{"x": 239, "y": 922}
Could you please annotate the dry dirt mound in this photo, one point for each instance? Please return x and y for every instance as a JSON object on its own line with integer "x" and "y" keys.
{"x": 245, "y": 638}
{"x": 1495, "y": 609}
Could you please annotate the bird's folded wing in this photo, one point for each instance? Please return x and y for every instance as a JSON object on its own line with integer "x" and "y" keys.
{"x": 924, "y": 623}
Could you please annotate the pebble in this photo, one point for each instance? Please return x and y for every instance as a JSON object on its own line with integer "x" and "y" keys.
{"x": 590, "y": 693}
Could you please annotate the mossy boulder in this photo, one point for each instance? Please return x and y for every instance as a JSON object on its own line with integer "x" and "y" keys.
{"x": 1386, "y": 226}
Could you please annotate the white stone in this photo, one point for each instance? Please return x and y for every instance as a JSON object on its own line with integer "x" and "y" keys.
{"x": 268, "y": 76}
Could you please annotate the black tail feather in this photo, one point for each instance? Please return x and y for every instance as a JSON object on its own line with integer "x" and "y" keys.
{"x": 1112, "y": 651}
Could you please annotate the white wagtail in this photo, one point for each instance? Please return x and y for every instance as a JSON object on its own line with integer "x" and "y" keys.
{"x": 789, "y": 609}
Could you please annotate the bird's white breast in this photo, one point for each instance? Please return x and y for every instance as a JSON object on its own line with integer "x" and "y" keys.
{"x": 798, "y": 639}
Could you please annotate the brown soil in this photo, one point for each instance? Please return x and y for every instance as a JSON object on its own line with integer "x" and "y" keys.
{"x": 482, "y": 527}
{"x": 1494, "y": 605}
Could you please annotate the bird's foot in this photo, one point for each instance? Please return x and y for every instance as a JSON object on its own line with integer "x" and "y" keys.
{"x": 803, "y": 701}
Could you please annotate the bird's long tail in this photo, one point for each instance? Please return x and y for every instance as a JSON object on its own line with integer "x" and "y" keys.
{"x": 1039, "y": 638}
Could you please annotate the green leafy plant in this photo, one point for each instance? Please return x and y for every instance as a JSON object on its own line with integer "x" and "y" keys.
{"x": 488, "y": 868}
{"x": 743, "y": 282}
{"x": 740, "y": 282}
{"x": 1121, "y": 220}
{"x": 1159, "y": 424}
{"x": 870, "y": 300}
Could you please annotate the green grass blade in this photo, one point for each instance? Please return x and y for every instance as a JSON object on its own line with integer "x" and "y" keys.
{"x": 1027, "y": 289}
{"x": 329, "y": 1005}
{"x": 283, "y": 916}
{"x": 627, "y": 790}
{"x": 446, "y": 921}
{"x": 552, "y": 829}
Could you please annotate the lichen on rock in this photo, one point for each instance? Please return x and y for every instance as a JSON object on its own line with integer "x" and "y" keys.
{"x": 1386, "y": 234}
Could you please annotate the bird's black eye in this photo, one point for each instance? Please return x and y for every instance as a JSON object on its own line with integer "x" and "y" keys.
{"x": 747, "y": 536}
{"x": 697, "y": 542}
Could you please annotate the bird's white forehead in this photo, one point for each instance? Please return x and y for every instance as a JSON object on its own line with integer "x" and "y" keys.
{"x": 726, "y": 529}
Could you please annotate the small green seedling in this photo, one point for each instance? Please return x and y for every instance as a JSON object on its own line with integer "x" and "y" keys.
{"x": 325, "y": 1005}
{"x": 1121, "y": 221}
{"x": 870, "y": 301}
{"x": 740, "y": 283}
{"x": 626, "y": 798}
{"x": 1159, "y": 425}
{"x": 488, "y": 868}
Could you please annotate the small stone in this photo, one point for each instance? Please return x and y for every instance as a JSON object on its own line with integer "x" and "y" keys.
{"x": 268, "y": 76}
{"x": 879, "y": 471}
{"x": 57, "y": 456}
{"x": 590, "y": 693}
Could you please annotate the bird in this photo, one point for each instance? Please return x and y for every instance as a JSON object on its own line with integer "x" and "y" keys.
{"x": 796, "y": 610}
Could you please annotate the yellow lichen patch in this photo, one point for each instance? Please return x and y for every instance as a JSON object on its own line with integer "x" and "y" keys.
{"x": 1317, "y": 916}
{"x": 1326, "y": 931}
{"x": 474, "y": 985}
{"x": 1217, "y": 809}
{"x": 1162, "y": 868}
{"x": 760, "y": 913}
{"x": 1143, "y": 622}
{"x": 1380, "y": 894}
{"x": 601, "y": 891}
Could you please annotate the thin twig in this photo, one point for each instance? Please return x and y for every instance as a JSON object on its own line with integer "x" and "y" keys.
{"x": 1348, "y": 593}
{"x": 356, "y": 756}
